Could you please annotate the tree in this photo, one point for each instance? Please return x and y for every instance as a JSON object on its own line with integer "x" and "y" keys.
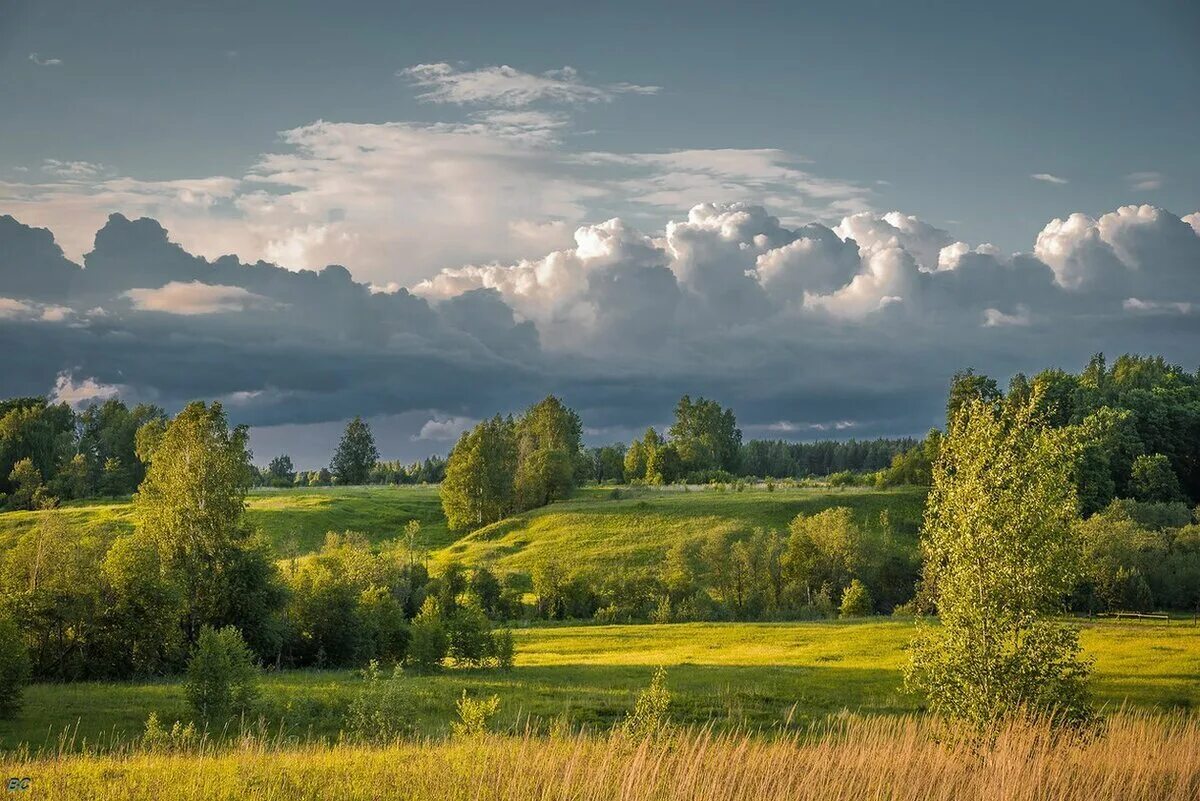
{"x": 14, "y": 667}
{"x": 968, "y": 386}
{"x": 222, "y": 678}
{"x": 27, "y": 489}
{"x": 356, "y": 454}
{"x": 856, "y": 601}
{"x": 191, "y": 505}
{"x": 663, "y": 466}
{"x": 548, "y": 439}
{"x": 635, "y": 462}
{"x": 705, "y": 435}
{"x": 429, "y": 644}
{"x": 108, "y": 443}
{"x": 1152, "y": 479}
{"x": 281, "y": 471}
{"x": 1001, "y": 554}
{"x": 478, "y": 488}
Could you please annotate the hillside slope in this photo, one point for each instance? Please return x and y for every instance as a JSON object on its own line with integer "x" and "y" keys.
{"x": 600, "y": 529}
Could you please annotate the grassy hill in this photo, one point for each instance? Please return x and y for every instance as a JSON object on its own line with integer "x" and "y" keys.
{"x": 296, "y": 520}
{"x": 752, "y": 674}
{"x": 596, "y": 530}
{"x": 601, "y": 528}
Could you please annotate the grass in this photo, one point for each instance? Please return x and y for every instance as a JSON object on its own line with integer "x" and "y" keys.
{"x": 591, "y": 530}
{"x": 597, "y": 532}
{"x": 1133, "y": 758}
{"x": 758, "y": 675}
{"x": 296, "y": 520}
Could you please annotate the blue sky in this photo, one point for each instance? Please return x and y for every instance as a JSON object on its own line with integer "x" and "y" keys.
{"x": 385, "y": 137}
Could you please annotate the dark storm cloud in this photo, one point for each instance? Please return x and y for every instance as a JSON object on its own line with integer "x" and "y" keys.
{"x": 808, "y": 332}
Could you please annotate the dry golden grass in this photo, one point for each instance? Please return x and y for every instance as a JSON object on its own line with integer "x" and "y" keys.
{"x": 1132, "y": 757}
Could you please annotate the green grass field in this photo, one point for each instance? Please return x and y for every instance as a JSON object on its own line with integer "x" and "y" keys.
{"x": 754, "y": 674}
{"x": 596, "y": 532}
{"x": 296, "y": 520}
{"x": 591, "y": 531}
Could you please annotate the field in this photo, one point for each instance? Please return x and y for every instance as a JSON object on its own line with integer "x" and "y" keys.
{"x": 601, "y": 529}
{"x": 592, "y": 530}
{"x": 1138, "y": 759}
{"x": 758, "y": 675}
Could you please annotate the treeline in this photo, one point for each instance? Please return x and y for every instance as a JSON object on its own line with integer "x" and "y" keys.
{"x": 87, "y": 603}
{"x": 48, "y": 452}
{"x": 505, "y": 465}
{"x": 824, "y": 565}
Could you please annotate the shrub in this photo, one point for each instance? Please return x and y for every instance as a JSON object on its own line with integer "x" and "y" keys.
{"x": 157, "y": 738}
{"x": 428, "y": 643}
{"x": 469, "y": 636}
{"x": 222, "y": 678}
{"x": 651, "y": 711}
{"x": 504, "y": 650}
{"x": 14, "y": 667}
{"x": 473, "y": 715}
{"x": 381, "y": 712}
{"x": 856, "y": 601}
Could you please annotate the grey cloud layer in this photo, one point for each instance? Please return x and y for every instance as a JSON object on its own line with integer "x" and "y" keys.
{"x": 852, "y": 329}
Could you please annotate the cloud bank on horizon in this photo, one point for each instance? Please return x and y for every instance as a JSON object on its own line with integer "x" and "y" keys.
{"x": 853, "y": 328}
{"x": 495, "y": 261}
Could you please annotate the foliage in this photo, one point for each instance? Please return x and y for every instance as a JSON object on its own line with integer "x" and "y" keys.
{"x": 1151, "y": 479}
{"x": 1001, "y": 553}
{"x": 474, "y": 714}
{"x": 191, "y": 506}
{"x": 705, "y": 436}
{"x": 856, "y": 601}
{"x": 548, "y": 437}
{"x": 14, "y": 667}
{"x": 382, "y": 711}
{"x": 429, "y": 643}
{"x": 356, "y": 454}
{"x": 650, "y": 715}
{"x": 478, "y": 488}
{"x": 222, "y": 678}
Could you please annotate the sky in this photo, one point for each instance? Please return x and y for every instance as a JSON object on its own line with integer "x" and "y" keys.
{"x": 814, "y": 214}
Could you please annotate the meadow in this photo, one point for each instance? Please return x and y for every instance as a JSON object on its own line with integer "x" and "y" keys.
{"x": 765, "y": 676}
{"x": 1138, "y": 758}
{"x": 599, "y": 528}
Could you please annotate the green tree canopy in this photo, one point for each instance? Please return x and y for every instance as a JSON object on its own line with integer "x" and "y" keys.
{"x": 478, "y": 487}
{"x": 356, "y": 454}
{"x": 705, "y": 435}
{"x": 1001, "y": 554}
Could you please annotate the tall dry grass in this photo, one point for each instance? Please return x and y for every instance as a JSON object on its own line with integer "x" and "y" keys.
{"x": 1132, "y": 757}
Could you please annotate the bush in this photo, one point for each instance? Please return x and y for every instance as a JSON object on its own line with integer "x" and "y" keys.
{"x": 856, "y": 601}
{"x": 428, "y": 643}
{"x": 504, "y": 650}
{"x": 651, "y": 711}
{"x": 473, "y": 715}
{"x": 381, "y": 712}
{"x": 222, "y": 678}
{"x": 469, "y": 636}
{"x": 14, "y": 667}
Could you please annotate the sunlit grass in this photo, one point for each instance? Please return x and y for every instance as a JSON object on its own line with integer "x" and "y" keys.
{"x": 1129, "y": 758}
{"x": 758, "y": 675}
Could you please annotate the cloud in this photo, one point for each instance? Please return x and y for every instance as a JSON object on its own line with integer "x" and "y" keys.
{"x": 503, "y": 183}
{"x": 192, "y": 298}
{"x": 78, "y": 394}
{"x": 1048, "y": 178}
{"x": 74, "y": 170}
{"x": 1144, "y": 181}
{"x": 784, "y": 322}
{"x": 44, "y": 62}
{"x": 994, "y": 318}
{"x": 510, "y": 88}
{"x": 446, "y": 429}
